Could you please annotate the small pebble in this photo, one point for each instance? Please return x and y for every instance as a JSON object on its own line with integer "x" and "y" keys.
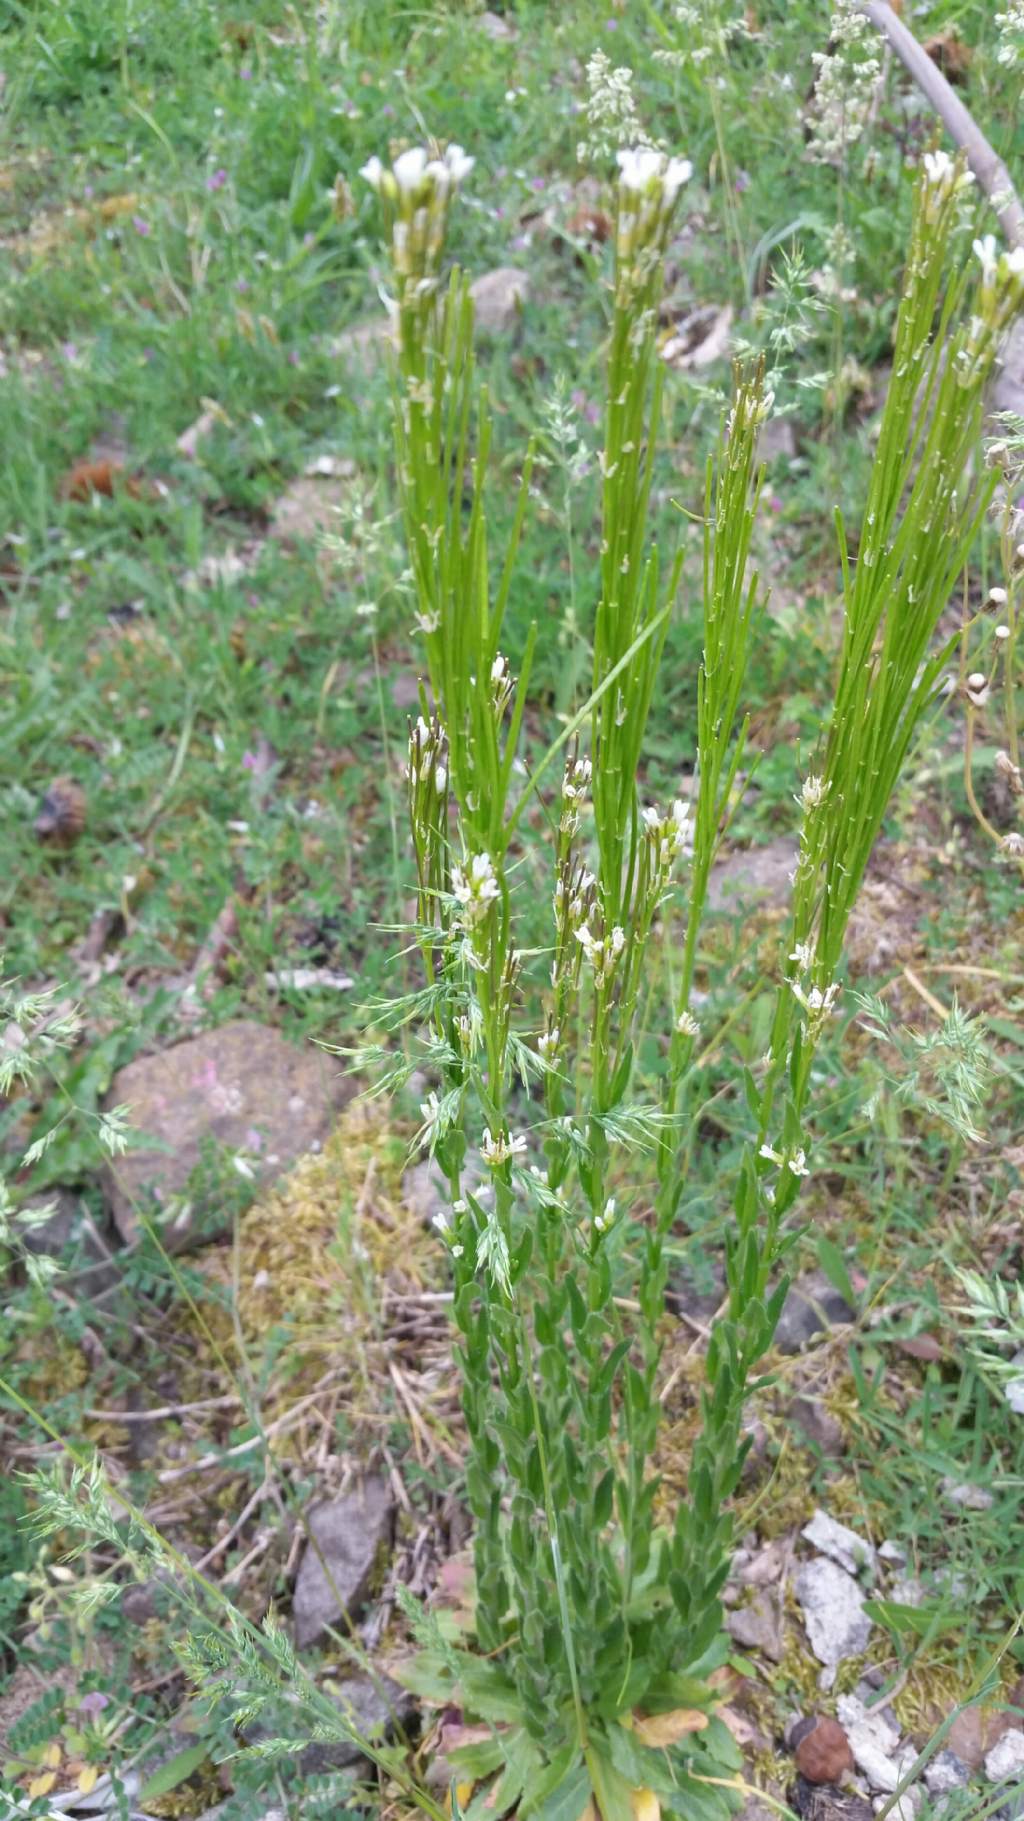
{"x": 822, "y": 1749}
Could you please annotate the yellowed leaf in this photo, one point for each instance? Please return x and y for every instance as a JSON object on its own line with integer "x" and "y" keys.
{"x": 463, "y": 1796}
{"x": 645, "y": 1805}
{"x": 41, "y": 1786}
{"x": 668, "y": 1729}
{"x": 51, "y": 1757}
{"x": 88, "y": 1777}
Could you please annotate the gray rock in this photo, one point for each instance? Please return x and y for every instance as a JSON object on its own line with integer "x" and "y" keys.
{"x": 753, "y": 875}
{"x": 309, "y": 508}
{"x": 817, "y": 1425}
{"x": 812, "y": 1306}
{"x": 337, "y": 1566}
{"x": 373, "y": 1706}
{"x": 242, "y": 1086}
{"x": 893, "y": 1552}
{"x": 833, "y": 1609}
{"x": 970, "y": 1498}
{"x": 498, "y": 299}
{"x": 839, "y": 1543}
{"x": 1006, "y": 1759}
{"x": 778, "y": 440}
{"x": 945, "y": 1773}
{"x": 496, "y": 28}
{"x": 69, "y": 1229}
{"x": 758, "y": 1626}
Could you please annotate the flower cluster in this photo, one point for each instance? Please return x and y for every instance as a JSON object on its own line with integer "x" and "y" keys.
{"x": 819, "y": 1002}
{"x": 943, "y": 177}
{"x": 847, "y": 75}
{"x": 475, "y": 889}
{"x": 649, "y": 186}
{"x": 575, "y": 785}
{"x": 610, "y": 110}
{"x": 1010, "y": 49}
{"x": 705, "y": 35}
{"x": 502, "y": 686}
{"x": 504, "y": 1148}
{"x": 416, "y": 194}
{"x": 669, "y": 835}
{"x": 428, "y": 751}
{"x": 1000, "y": 295}
{"x": 602, "y": 951}
{"x": 796, "y": 1163}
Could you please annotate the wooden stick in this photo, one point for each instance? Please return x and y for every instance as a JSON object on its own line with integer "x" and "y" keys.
{"x": 985, "y": 162}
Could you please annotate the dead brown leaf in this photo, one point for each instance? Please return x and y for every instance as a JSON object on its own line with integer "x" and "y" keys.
{"x": 667, "y": 1729}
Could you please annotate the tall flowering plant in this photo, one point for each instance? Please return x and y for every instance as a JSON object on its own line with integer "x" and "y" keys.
{"x": 594, "y": 1628}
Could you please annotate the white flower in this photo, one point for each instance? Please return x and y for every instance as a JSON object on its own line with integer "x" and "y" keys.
{"x": 440, "y": 1221}
{"x": 770, "y": 1155}
{"x": 459, "y": 1207}
{"x": 501, "y": 1150}
{"x": 410, "y": 168}
{"x": 997, "y": 596}
{"x": 818, "y": 1002}
{"x": 938, "y": 169}
{"x": 797, "y": 1164}
{"x": 459, "y": 163}
{"x": 1012, "y": 845}
{"x": 639, "y": 166}
{"x": 547, "y": 1043}
{"x": 677, "y": 172}
{"x": 603, "y": 1221}
{"x": 373, "y": 171}
{"x": 475, "y": 889}
{"x": 803, "y": 955}
{"x": 687, "y": 1026}
{"x": 1012, "y": 263}
{"x": 987, "y": 250}
{"x": 813, "y": 793}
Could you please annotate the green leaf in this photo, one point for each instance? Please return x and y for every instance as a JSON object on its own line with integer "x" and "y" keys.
{"x": 920, "y": 1621}
{"x": 478, "y": 1759}
{"x": 566, "y": 1800}
{"x": 611, "y": 1789}
{"x": 834, "y": 1266}
{"x": 173, "y": 1772}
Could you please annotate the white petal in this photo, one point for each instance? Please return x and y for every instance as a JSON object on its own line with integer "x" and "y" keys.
{"x": 373, "y": 171}
{"x": 409, "y": 168}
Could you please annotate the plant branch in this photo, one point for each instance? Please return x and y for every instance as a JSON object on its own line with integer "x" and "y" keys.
{"x": 985, "y": 162}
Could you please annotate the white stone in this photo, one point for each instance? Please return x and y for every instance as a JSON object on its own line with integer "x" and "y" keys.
{"x": 875, "y": 1742}
{"x": 833, "y": 1609}
{"x": 1006, "y": 1759}
{"x": 945, "y": 1773}
{"x": 839, "y": 1543}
